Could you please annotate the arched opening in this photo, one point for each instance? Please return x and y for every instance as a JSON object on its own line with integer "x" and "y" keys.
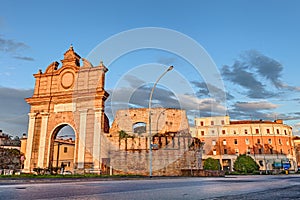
{"x": 139, "y": 127}
{"x": 62, "y": 150}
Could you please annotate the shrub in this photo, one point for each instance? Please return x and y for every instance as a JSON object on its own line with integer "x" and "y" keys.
{"x": 245, "y": 164}
{"x": 211, "y": 164}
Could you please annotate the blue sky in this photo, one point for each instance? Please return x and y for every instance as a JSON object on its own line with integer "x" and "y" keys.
{"x": 254, "y": 44}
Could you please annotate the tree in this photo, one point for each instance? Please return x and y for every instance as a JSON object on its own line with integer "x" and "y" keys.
{"x": 245, "y": 164}
{"x": 211, "y": 164}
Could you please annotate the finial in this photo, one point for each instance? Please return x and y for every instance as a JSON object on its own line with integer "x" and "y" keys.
{"x": 71, "y": 47}
{"x": 101, "y": 63}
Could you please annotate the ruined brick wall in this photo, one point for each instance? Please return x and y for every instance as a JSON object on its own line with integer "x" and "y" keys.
{"x": 163, "y": 120}
{"x": 129, "y": 151}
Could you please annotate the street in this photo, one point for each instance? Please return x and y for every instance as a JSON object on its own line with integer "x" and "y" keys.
{"x": 229, "y": 187}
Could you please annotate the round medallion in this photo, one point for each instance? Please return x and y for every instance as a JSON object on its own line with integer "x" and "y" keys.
{"x": 67, "y": 80}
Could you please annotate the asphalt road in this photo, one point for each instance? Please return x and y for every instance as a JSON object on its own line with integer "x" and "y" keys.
{"x": 230, "y": 187}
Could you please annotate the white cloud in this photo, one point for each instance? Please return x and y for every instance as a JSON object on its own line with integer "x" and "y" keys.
{"x": 257, "y": 105}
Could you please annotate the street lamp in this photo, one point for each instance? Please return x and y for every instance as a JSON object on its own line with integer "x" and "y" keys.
{"x": 150, "y": 134}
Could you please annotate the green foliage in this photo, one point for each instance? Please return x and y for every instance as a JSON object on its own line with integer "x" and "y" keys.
{"x": 211, "y": 164}
{"x": 245, "y": 164}
{"x": 123, "y": 134}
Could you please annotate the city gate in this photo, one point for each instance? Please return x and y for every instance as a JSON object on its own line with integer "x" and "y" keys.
{"x": 72, "y": 95}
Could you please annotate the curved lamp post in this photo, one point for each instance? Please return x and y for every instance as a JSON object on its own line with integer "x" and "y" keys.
{"x": 150, "y": 134}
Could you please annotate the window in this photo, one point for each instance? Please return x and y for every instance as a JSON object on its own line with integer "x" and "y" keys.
{"x": 257, "y": 131}
{"x": 268, "y": 131}
{"x": 246, "y": 131}
{"x": 225, "y": 151}
{"x": 224, "y": 142}
{"x": 222, "y": 122}
{"x": 260, "y": 151}
{"x": 285, "y": 132}
{"x": 235, "y": 141}
{"x": 248, "y": 151}
{"x": 271, "y": 151}
{"x": 213, "y": 132}
{"x": 223, "y": 132}
{"x": 234, "y": 132}
{"x": 201, "y": 123}
{"x": 281, "y": 152}
{"x": 202, "y": 133}
{"x": 213, "y": 142}
{"x": 214, "y": 152}
{"x": 65, "y": 149}
{"x": 237, "y": 151}
{"x": 277, "y": 130}
{"x": 139, "y": 127}
{"x": 270, "y": 141}
{"x": 212, "y": 123}
{"x": 247, "y": 141}
{"x": 279, "y": 142}
{"x": 258, "y": 141}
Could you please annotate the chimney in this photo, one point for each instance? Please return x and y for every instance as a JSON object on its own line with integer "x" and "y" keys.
{"x": 279, "y": 121}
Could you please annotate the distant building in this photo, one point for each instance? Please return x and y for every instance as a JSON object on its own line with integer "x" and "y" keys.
{"x": 64, "y": 154}
{"x": 7, "y": 142}
{"x": 269, "y": 143}
{"x": 297, "y": 150}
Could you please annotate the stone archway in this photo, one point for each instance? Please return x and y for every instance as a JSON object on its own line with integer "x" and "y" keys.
{"x": 72, "y": 95}
{"x": 62, "y": 148}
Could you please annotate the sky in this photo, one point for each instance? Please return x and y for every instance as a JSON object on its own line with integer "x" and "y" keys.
{"x": 246, "y": 51}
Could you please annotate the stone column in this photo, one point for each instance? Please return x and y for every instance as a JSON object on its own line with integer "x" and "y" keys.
{"x": 81, "y": 139}
{"x": 43, "y": 136}
{"x": 30, "y": 133}
{"x": 97, "y": 139}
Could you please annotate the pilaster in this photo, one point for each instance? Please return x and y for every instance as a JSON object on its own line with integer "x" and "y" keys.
{"x": 82, "y": 138}
{"x": 30, "y": 133}
{"x": 43, "y": 136}
{"x": 97, "y": 139}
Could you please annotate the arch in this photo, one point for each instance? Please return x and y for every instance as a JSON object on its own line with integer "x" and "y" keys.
{"x": 58, "y": 101}
{"x": 56, "y": 145}
{"x": 139, "y": 127}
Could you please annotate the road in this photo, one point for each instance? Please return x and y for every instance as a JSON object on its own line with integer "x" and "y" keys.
{"x": 229, "y": 187}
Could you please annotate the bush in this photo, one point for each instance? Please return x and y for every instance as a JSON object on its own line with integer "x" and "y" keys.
{"x": 211, "y": 164}
{"x": 245, "y": 164}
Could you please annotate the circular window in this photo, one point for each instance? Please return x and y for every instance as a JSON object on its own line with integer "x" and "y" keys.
{"x": 67, "y": 80}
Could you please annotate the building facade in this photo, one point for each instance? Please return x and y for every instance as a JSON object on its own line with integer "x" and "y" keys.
{"x": 71, "y": 95}
{"x": 269, "y": 143}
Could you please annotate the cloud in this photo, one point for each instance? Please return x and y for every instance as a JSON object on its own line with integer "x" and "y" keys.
{"x": 126, "y": 97}
{"x": 256, "y": 72}
{"x": 167, "y": 60}
{"x": 11, "y": 46}
{"x": 133, "y": 81}
{"x": 203, "y": 91}
{"x": 14, "y": 110}
{"x": 254, "y": 110}
{"x": 23, "y": 58}
{"x": 259, "y": 105}
{"x": 238, "y": 74}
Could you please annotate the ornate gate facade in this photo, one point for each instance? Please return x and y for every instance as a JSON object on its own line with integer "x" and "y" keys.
{"x": 72, "y": 95}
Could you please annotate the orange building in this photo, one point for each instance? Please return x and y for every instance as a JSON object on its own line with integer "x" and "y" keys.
{"x": 297, "y": 150}
{"x": 269, "y": 143}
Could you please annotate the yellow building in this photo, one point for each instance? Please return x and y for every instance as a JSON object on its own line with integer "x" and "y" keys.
{"x": 63, "y": 154}
{"x": 269, "y": 143}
